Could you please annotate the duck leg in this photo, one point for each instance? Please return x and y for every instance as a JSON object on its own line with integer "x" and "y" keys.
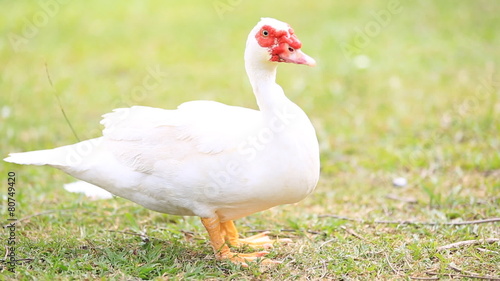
{"x": 261, "y": 240}
{"x": 221, "y": 248}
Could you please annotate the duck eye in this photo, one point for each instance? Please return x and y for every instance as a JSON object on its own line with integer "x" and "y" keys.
{"x": 265, "y": 32}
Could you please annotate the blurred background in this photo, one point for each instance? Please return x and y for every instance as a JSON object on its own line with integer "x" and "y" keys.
{"x": 387, "y": 70}
{"x": 402, "y": 89}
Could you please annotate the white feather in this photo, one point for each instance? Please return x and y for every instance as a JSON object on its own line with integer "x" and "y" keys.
{"x": 90, "y": 190}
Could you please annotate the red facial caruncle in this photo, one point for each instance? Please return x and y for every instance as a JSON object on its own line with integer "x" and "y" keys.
{"x": 278, "y": 41}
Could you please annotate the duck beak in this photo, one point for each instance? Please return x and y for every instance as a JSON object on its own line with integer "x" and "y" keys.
{"x": 291, "y": 55}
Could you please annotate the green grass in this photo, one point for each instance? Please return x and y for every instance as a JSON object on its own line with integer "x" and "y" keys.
{"x": 427, "y": 108}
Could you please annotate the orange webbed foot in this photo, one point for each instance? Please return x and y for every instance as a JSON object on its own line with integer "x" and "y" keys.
{"x": 260, "y": 240}
{"x": 222, "y": 234}
{"x": 243, "y": 259}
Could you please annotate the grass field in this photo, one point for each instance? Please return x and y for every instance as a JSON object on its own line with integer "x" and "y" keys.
{"x": 402, "y": 89}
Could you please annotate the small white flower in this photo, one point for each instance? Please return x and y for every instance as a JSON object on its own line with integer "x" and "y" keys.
{"x": 399, "y": 182}
{"x": 361, "y": 61}
{"x": 5, "y": 111}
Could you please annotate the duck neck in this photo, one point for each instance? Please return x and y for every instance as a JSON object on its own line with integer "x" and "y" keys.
{"x": 269, "y": 95}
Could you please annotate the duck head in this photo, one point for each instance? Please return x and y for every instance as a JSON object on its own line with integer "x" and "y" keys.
{"x": 274, "y": 41}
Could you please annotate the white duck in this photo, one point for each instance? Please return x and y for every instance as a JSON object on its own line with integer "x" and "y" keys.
{"x": 205, "y": 158}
